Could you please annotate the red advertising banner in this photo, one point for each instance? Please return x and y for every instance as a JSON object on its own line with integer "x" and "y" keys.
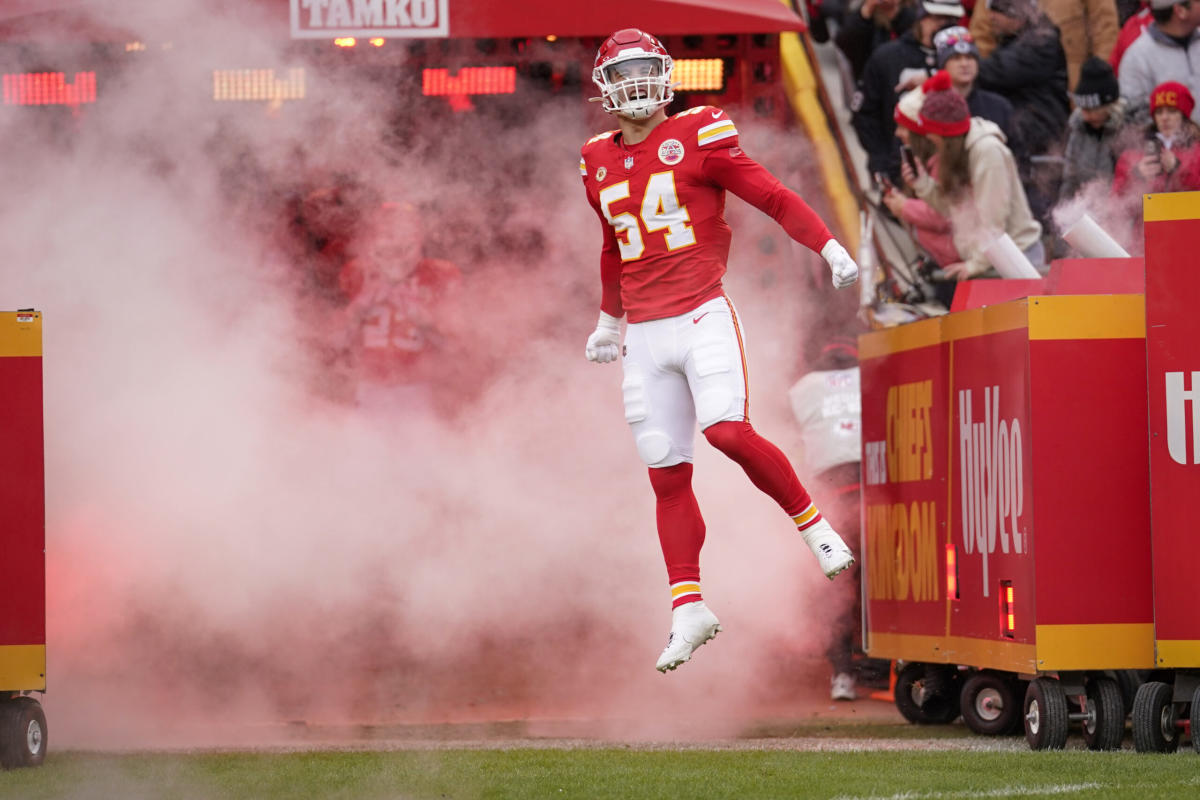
{"x": 1173, "y": 373}
{"x": 23, "y": 500}
{"x": 991, "y": 469}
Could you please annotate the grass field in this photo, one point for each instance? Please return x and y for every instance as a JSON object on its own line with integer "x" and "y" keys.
{"x": 763, "y": 769}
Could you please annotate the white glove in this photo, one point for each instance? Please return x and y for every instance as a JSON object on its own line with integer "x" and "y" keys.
{"x": 604, "y": 344}
{"x": 845, "y": 271}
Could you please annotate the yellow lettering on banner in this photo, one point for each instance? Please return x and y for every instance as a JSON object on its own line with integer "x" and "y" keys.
{"x": 926, "y": 428}
{"x": 904, "y": 546}
{"x": 924, "y": 527}
{"x": 909, "y": 432}
{"x": 879, "y": 574}
{"x": 893, "y": 450}
{"x": 903, "y": 551}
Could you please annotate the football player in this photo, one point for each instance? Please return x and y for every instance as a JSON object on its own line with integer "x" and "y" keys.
{"x": 658, "y": 184}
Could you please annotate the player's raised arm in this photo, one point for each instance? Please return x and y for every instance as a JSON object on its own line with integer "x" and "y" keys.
{"x": 733, "y": 170}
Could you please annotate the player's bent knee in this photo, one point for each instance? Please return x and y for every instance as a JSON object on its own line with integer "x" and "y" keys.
{"x": 726, "y": 434}
{"x": 654, "y": 448}
{"x": 716, "y": 404}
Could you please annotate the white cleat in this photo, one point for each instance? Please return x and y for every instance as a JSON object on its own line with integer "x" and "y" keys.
{"x": 692, "y": 624}
{"x": 832, "y": 553}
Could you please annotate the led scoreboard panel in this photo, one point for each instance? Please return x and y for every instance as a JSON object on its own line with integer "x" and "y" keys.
{"x": 740, "y": 72}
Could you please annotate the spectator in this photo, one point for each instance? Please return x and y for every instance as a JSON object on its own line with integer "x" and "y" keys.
{"x": 958, "y": 55}
{"x": 1095, "y": 129}
{"x": 1131, "y": 29}
{"x": 1168, "y": 50}
{"x": 828, "y": 411}
{"x": 930, "y": 228}
{"x": 891, "y": 64}
{"x": 1029, "y": 68}
{"x": 1086, "y": 28}
{"x": 1169, "y": 159}
{"x": 977, "y": 185}
{"x": 870, "y": 25}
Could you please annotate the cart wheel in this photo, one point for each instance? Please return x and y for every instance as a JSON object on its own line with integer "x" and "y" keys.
{"x": 1104, "y": 727}
{"x": 1196, "y": 720}
{"x": 1045, "y": 715}
{"x": 989, "y": 704}
{"x": 927, "y": 694}
{"x": 22, "y": 733}
{"x": 1129, "y": 680}
{"x": 1154, "y": 716}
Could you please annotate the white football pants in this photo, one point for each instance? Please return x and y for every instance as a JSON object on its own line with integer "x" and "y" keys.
{"x": 680, "y": 371}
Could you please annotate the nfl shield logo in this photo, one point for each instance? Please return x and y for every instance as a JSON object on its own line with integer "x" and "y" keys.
{"x": 628, "y": 162}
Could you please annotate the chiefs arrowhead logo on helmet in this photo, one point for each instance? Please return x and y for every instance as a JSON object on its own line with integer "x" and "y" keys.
{"x": 633, "y": 73}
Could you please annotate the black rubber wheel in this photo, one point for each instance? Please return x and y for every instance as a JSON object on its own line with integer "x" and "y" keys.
{"x": 927, "y": 694}
{"x": 1129, "y": 680}
{"x": 1105, "y": 726}
{"x": 1196, "y": 720}
{"x": 1045, "y": 715}
{"x": 22, "y": 733}
{"x": 989, "y": 704}
{"x": 1154, "y": 716}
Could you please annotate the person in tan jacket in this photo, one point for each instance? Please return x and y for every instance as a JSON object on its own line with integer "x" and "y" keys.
{"x": 977, "y": 185}
{"x": 1087, "y": 28}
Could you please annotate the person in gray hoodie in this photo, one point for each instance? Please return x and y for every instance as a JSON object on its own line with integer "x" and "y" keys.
{"x": 1168, "y": 50}
{"x": 1097, "y": 132}
{"x": 977, "y": 186}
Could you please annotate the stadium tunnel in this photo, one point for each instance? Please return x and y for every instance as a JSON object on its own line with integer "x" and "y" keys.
{"x": 754, "y": 58}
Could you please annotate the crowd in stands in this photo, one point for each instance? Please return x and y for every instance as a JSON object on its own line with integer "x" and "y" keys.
{"x": 981, "y": 117}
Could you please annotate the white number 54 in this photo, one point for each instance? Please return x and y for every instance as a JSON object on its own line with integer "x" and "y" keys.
{"x": 660, "y": 211}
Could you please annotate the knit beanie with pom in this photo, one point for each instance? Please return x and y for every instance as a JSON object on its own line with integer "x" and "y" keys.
{"x": 944, "y": 111}
{"x": 908, "y": 110}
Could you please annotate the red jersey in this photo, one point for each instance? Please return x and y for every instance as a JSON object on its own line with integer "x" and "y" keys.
{"x": 661, "y": 203}
{"x": 393, "y": 332}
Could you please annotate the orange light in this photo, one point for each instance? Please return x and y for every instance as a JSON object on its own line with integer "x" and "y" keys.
{"x": 951, "y": 572}
{"x": 1008, "y": 611}
{"x": 469, "y": 81}
{"x": 699, "y": 74}
{"x": 376, "y": 41}
{"x": 257, "y": 84}
{"x": 345, "y": 41}
{"x": 49, "y": 89}
{"x": 131, "y": 47}
{"x": 552, "y": 38}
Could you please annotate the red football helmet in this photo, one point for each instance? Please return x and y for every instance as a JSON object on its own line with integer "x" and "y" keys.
{"x": 633, "y": 71}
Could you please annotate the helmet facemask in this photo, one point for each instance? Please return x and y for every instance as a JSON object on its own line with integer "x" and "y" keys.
{"x": 635, "y": 83}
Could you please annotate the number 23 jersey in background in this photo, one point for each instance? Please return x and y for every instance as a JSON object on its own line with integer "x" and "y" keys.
{"x": 662, "y": 207}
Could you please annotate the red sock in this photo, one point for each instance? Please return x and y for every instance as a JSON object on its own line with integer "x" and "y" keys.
{"x": 764, "y": 463}
{"x": 680, "y": 530}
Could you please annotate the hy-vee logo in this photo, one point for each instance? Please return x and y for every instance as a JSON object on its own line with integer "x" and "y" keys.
{"x": 328, "y": 19}
{"x": 1179, "y": 397}
{"x": 991, "y": 478}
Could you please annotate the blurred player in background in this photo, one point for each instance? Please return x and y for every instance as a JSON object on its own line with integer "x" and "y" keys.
{"x": 658, "y": 184}
{"x": 397, "y": 321}
{"x": 827, "y": 404}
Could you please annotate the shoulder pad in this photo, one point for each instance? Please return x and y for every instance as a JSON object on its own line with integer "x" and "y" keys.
{"x": 713, "y": 127}
{"x": 599, "y": 138}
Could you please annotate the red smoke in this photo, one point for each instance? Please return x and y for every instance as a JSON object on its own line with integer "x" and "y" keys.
{"x": 234, "y": 544}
